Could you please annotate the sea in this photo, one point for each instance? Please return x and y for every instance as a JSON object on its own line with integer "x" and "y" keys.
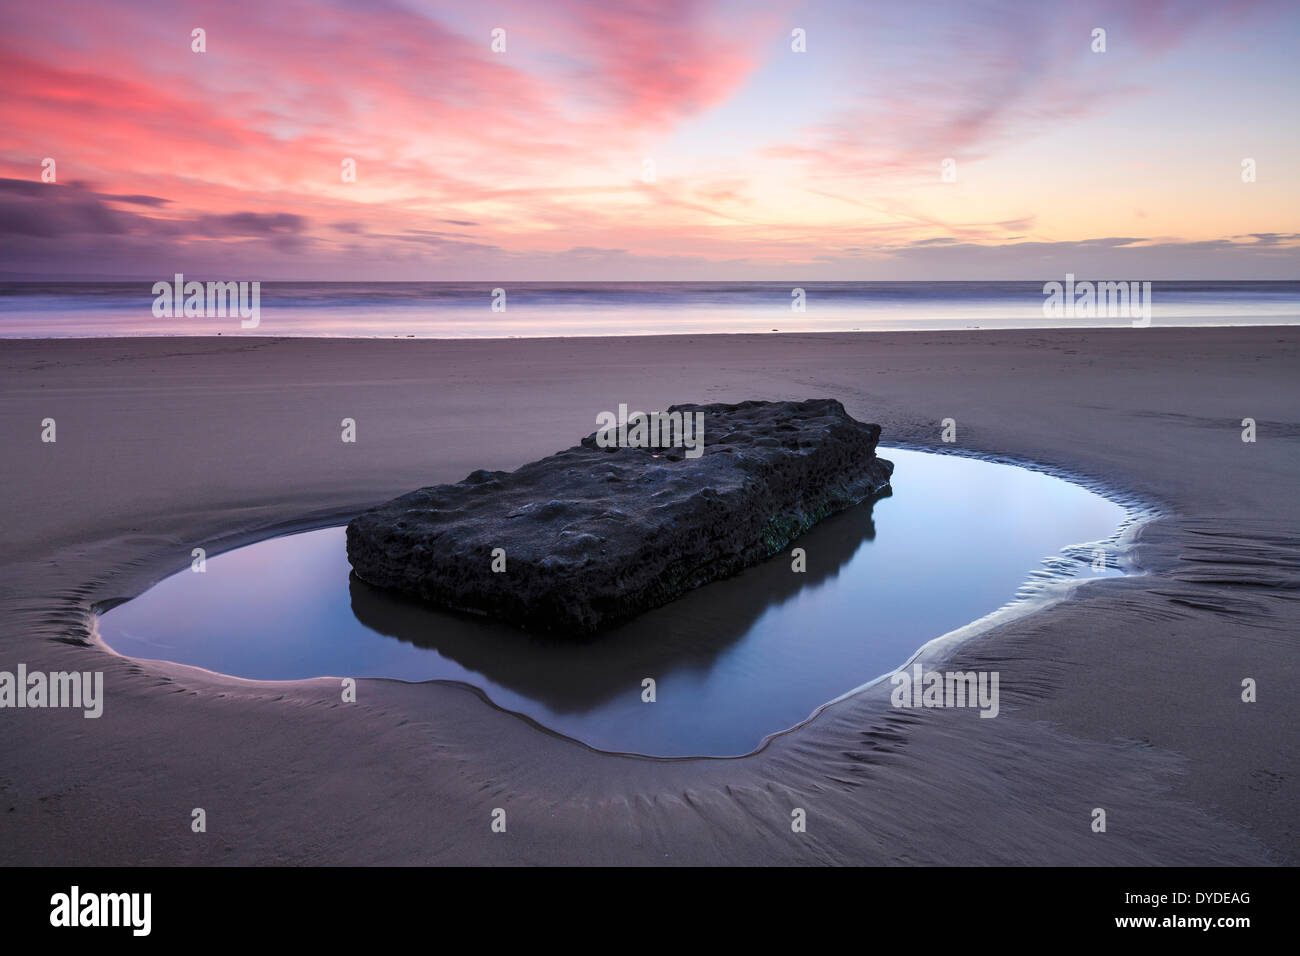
{"x": 61, "y": 309}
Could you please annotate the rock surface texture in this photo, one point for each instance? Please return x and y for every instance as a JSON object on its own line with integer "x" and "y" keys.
{"x": 593, "y": 536}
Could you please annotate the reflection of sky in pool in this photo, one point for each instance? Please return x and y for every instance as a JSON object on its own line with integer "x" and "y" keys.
{"x": 734, "y": 661}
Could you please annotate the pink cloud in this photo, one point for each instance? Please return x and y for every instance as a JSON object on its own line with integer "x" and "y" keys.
{"x": 536, "y": 151}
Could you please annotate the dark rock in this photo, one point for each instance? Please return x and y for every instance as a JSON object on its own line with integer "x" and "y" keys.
{"x": 593, "y": 536}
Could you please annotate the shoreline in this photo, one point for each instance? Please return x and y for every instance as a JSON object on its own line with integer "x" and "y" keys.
{"x": 236, "y": 334}
{"x": 875, "y": 780}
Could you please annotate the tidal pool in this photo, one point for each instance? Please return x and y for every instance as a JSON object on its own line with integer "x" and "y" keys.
{"x": 734, "y": 662}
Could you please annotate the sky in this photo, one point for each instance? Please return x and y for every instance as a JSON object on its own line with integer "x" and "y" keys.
{"x": 639, "y": 140}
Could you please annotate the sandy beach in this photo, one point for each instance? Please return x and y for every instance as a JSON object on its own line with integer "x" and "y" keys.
{"x": 1127, "y": 696}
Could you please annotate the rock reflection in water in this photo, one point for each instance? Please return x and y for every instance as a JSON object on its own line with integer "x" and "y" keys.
{"x": 577, "y": 676}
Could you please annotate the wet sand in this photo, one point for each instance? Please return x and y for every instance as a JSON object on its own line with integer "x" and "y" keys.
{"x": 1124, "y": 697}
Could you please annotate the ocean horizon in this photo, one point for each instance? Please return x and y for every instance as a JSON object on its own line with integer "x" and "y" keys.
{"x": 81, "y": 309}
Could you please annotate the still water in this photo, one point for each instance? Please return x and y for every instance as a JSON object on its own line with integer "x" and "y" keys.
{"x": 734, "y": 661}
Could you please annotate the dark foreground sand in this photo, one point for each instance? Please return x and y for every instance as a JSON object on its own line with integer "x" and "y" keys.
{"x": 1125, "y": 697}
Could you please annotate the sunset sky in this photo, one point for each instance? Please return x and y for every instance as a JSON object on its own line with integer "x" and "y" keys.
{"x": 768, "y": 163}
